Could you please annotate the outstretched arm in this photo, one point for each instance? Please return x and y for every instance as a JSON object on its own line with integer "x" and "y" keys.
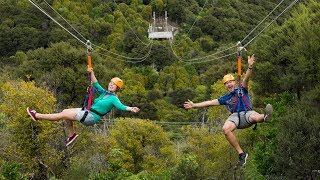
{"x": 189, "y": 104}
{"x": 118, "y": 104}
{"x": 245, "y": 81}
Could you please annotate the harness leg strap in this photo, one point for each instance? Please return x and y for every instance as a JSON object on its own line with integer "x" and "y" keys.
{"x": 239, "y": 120}
{"x": 84, "y": 116}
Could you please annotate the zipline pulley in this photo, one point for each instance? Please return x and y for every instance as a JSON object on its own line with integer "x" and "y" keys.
{"x": 89, "y": 46}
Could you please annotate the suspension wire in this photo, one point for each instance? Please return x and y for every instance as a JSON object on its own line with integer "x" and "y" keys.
{"x": 195, "y": 20}
{"x": 220, "y": 57}
{"x": 145, "y": 56}
{"x": 129, "y": 61}
{"x": 43, "y": 11}
{"x": 130, "y": 26}
{"x": 190, "y": 60}
{"x": 174, "y": 53}
{"x": 65, "y": 20}
{"x": 85, "y": 42}
{"x": 204, "y": 57}
{"x": 294, "y": 2}
{"x": 197, "y": 17}
{"x": 261, "y": 21}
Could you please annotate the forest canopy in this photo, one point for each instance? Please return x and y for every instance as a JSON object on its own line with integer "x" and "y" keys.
{"x": 44, "y": 66}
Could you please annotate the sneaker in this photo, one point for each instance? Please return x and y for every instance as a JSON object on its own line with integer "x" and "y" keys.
{"x": 267, "y": 112}
{"x": 32, "y": 114}
{"x": 243, "y": 158}
{"x": 71, "y": 139}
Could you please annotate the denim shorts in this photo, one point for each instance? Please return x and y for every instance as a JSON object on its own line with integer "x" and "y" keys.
{"x": 89, "y": 121}
{"x": 244, "y": 121}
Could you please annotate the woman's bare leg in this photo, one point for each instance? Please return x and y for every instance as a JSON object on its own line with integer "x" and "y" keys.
{"x": 70, "y": 127}
{"x": 69, "y": 115}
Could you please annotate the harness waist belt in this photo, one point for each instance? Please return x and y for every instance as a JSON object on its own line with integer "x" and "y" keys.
{"x": 96, "y": 112}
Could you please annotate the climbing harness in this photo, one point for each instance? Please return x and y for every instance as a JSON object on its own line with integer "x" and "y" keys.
{"x": 84, "y": 116}
{"x": 241, "y": 100}
{"x": 90, "y": 89}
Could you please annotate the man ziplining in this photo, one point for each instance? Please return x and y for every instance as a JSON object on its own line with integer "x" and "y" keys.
{"x": 238, "y": 101}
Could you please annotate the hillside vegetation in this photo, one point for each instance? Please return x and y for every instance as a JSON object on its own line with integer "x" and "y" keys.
{"x": 45, "y": 67}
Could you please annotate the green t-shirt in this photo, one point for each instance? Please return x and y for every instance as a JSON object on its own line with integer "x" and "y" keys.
{"x": 104, "y": 103}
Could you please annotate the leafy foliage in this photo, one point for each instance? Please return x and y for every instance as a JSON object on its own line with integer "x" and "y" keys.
{"x": 142, "y": 146}
{"x": 286, "y": 74}
{"x": 32, "y": 144}
{"x": 186, "y": 169}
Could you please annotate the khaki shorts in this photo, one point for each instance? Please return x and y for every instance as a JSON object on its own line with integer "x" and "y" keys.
{"x": 89, "y": 121}
{"x": 244, "y": 121}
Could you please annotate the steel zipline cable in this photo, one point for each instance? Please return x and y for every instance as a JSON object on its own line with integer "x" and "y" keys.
{"x": 65, "y": 20}
{"x": 288, "y": 7}
{"x": 137, "y": 60}
{"x": 203, "y": 59}
{"x": 261, "y": 22}
{"x": 194, "y": 22}
{"x": 85, "y": 41}
{"x": 194, "y": 60}
{"x": 147, "y": 44}
{"x": 197, "y": 17}
{"x": 43, "y": 11}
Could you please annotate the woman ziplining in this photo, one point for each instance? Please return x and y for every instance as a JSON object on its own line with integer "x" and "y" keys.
{"x": 90, "y": 114}
{"x": 239, "y": 104}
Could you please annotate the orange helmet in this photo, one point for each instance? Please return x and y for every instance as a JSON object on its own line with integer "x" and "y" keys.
{"x": 227, "y": 78}
{"x": 118, "y": 82}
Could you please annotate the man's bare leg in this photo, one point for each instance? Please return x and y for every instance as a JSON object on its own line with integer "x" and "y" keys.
{"x": 228, "y": 129}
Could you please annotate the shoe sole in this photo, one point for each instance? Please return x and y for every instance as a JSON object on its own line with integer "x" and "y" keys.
{"x": 268, "y": 112}
{"x": 31, "y": 115}
{"x": 245, "y": 160}
{"x": 72, "y": 140}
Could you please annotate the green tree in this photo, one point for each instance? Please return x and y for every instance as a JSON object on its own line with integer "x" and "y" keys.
{"x": 32, "y": 144}
{"x": 208, "y": 24}
{"x": 160, "y": 56}
{"x": 174, "y": 77}
{"x": 211, "y": 150}
{"x": 146, "y": 12}
{"x": 11, "y": 171}
{"x": 291, "y": 62}
{"x": 298, "y": 133}
{"x": 60, "y": 71}
{"x": 178, "y": 97}
{"x": 157, "y": 5}
{"x": 186, "y": 169}
{"x": 22, "y": 28}
{"x": 294, "y": 131}
{"x": 145, "y": 146}
{"x": 176, "y": 10}
{"x": 206, "y": 43}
